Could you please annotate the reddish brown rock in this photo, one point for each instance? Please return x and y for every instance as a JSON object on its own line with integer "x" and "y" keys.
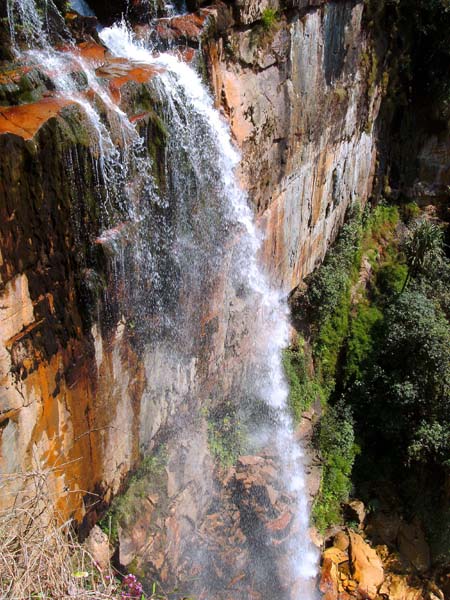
{"x": 329, "y": 580}
{"x": 97, "y": 544}
{"x": 365, "y": 566}
{"x": 26, "y": 120}
{"x": 186, "y": 27}
{"x": 341, "y": 541}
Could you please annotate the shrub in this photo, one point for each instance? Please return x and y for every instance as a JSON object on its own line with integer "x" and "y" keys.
{"x": 423, "y": 248}
{"x": 304, "y": 389}
{"x": 335, "y": 439}
{"x": 409, "y": 377}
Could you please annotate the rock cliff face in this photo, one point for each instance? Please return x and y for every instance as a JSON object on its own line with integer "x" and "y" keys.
{"x": 302, "y": 106}
{"x": 71, "y": 380}
{"x": 80, "y": 396}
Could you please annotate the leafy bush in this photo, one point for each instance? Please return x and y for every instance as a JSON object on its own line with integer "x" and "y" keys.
{"x": 304, "y": 389}
{"x": 423, "y": 248}
{"x": 336, "y": 441}
{"x": 409, "y": 377}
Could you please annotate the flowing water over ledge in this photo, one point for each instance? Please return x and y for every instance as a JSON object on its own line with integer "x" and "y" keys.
{"x": 185, "y": 265}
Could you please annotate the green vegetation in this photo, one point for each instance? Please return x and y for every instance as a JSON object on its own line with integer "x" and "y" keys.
{"x": 408, "y": 374}
{"x": 148, "y": 478}
{"x": 378, "y": 309}
{"x": 423, "y": 247}
{"x": 330, "y": 286}
{"x": 346, "y": 302}
{"x": 304, "y": 388}
{"x": 269, "y": 18}
{"x": 225, "y": 434}
{"x": 336, "y": 440}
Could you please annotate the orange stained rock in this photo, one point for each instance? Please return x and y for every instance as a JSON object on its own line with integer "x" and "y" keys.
{"x": 92, "y": 51}
{"x": 281, "y": 523}
{"x": 188, "y": 26}
{"x": 120, "y": 72}
{"x": 26, "y": 120}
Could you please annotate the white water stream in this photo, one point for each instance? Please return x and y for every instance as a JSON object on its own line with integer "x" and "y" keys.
{"x": 269, "y": 306}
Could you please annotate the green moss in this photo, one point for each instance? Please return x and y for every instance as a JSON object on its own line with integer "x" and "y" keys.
{"x": 361, "y": 339}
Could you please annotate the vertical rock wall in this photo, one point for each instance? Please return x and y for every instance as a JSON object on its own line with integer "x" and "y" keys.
{"x": 302, "y": 106}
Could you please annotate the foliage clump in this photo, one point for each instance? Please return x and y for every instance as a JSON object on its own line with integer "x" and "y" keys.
{"x": 269, "y": 18}
{"x": 225, "y": 434}
{"x": 148, "y": 478}
{"x": 335, "y": 437}
{"x": 304, "y": 388}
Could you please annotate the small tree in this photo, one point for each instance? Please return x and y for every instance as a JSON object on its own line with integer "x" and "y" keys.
{"x": 422, "y": 248}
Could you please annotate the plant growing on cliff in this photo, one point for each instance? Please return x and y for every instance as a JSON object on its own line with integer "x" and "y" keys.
{"x": 423, "y": 248}
{"x": 335, "y": 438}
{"x": 304, "y": 388}
{"x": 225, "y": 434}
{"x": 269, "y": 18}
{"x": 148, "y": 478}
{"x": 408, "y": 374}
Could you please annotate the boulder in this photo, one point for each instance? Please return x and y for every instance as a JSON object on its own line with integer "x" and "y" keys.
{"x": 336, "y": 555}
{"x": 329, "y": 580}
{"x": 396, "y": 587}
{"x": 355, "y": 512}
{"x": 341, "y": 541}
{"x": 366, "y": 567}
{"x": 97, "y": 544}
{"x": 383, "y": 527}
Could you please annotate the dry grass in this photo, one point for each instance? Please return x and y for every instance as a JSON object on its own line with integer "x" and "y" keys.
{"x": 40, "y": 558}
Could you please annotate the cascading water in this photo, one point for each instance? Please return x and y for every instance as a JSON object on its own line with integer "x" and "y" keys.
{"x": 207, "y": 142}
{"x": 193, "y": 246}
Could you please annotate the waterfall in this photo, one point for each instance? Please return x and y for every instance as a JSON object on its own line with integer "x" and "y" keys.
{"x": 215, "y": 158}
{"x": 185, "y": 243}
